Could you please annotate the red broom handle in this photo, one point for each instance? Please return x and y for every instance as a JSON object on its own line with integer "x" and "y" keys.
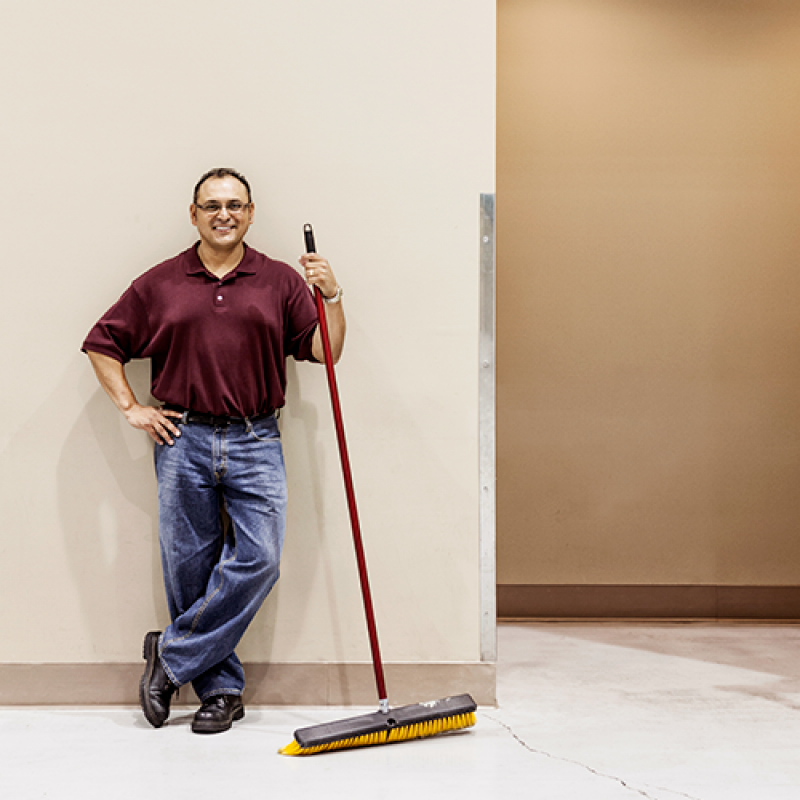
{"x": 348, "y": 484}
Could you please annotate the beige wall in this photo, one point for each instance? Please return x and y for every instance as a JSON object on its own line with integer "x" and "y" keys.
{"x": 648, "y": 288}
{"x": 373, "y": 121}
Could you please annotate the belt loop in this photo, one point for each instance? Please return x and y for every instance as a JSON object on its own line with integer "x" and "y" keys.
{"x": 248, "y": 425}
{"x": 185, "y": 417}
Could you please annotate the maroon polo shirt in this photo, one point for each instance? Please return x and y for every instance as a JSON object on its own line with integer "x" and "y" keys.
{"x": 216, "y": 346}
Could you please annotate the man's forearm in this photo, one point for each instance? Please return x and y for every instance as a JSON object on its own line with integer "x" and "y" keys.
{"x": 111, "y": 376}
{"x": 154, "y": 421}
{"x": 337, "y": 327}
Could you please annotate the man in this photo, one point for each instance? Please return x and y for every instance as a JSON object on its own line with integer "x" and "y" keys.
{"x": 218, "y": 322}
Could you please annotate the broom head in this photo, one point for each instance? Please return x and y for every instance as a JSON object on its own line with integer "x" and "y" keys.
{"x": 398, "y": 725}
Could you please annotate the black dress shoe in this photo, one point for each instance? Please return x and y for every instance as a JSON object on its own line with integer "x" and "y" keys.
{"x": 218, "y": 713}
{"x": 155, "y": 688}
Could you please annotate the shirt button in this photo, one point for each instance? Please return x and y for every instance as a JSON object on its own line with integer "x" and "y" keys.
{"x": 219, "y": 297}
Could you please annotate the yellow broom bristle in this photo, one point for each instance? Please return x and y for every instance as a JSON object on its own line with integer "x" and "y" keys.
{"x": 402, "y": 733}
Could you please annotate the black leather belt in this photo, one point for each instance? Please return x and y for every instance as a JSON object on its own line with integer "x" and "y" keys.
{"x": 217, "y": 421}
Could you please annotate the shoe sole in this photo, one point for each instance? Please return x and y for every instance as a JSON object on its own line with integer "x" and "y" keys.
{"x": 199, "y": 727}
{"x": 150, "y": 654}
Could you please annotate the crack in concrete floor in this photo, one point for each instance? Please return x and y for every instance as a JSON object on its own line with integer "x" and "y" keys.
{"x": 586, "y": 767}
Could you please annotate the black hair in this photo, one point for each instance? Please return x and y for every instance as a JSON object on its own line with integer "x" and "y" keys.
{"x": 223, "y": 172}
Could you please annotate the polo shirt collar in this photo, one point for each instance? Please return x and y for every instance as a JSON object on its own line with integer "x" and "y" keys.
{"x": 194, "y": 266}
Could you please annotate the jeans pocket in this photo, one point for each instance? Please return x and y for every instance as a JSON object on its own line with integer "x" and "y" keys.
{"x": 263, "y": 430}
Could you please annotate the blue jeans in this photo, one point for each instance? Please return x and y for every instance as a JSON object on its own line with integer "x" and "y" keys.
{"x": 217, "y": 576}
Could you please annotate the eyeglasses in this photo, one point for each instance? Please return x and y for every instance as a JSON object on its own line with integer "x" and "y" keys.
{"x": 234, "y": 207}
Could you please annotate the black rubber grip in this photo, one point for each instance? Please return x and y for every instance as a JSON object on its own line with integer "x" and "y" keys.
{"x": 308, "y": 232}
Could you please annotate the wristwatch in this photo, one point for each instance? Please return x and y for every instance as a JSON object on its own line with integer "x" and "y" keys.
{"x": 337, "y": 298}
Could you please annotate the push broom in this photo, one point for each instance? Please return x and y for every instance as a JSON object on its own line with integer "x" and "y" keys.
{"x": 386, "y": 725}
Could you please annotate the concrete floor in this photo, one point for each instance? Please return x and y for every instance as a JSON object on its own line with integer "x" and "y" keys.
{"x": 594, "y": 711}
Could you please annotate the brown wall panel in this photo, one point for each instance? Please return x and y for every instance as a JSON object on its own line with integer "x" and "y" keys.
{"x": 648, "y": 207}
